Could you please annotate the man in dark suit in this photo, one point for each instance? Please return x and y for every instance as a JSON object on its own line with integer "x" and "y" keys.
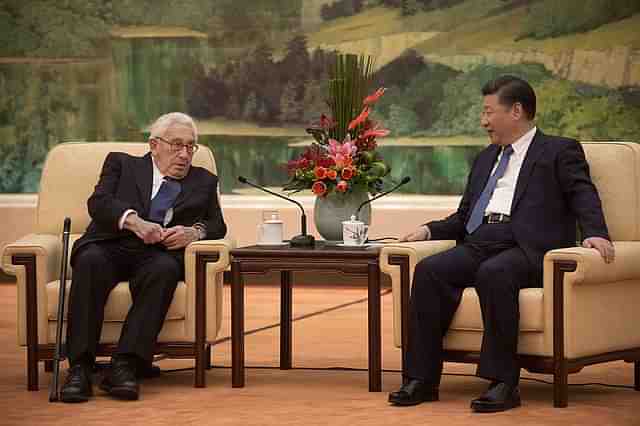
{"x": 524, "y": 194}
{"x": 144, "y": 211}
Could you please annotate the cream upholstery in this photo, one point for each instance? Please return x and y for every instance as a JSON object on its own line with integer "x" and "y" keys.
{"x": 68, "y": 178}
{"x": 600, "y": 300}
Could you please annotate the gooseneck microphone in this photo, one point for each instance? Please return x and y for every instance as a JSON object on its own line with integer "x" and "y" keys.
{"x": 302, "y": 240}
{"x": 404, "y": 181}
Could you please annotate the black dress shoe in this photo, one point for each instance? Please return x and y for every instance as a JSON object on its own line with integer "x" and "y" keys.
{"x": 121, "y": 381}
{"x": 413, "y": 392}
{"x": 77, "y": 386}
{"x": 499, "y": 397}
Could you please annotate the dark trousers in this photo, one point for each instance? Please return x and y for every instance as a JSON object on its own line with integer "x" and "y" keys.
{"x": 153, "y": 274}
{"x": 490, "y": 261}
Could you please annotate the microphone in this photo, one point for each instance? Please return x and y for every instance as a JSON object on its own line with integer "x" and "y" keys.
{"x": 404, "y": 181}
{"x": 302, "y": 240}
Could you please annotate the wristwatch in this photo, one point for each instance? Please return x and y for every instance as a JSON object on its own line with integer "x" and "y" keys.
{"x": 202, "y": 233}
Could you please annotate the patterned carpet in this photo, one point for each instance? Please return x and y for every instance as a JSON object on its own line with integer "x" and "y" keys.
{"x": 313, "y": 394}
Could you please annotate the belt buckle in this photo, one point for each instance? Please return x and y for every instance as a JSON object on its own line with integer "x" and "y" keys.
{"x": 494, "y": 218}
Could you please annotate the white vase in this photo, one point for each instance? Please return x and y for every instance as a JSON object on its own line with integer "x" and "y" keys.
{"x": 329, "y": 212}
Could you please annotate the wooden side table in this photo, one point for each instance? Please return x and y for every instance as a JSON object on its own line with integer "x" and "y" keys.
{"x": 356, "y": 261}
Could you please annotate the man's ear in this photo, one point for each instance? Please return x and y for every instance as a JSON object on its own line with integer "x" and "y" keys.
{"x": 517, "y": 111}
{"x": 153, "y": 145}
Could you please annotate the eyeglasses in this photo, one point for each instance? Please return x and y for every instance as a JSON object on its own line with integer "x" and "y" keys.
{"x": 179, "y": 146}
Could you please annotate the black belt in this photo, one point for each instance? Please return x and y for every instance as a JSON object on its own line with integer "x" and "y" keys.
{"x": 496, "y": 218}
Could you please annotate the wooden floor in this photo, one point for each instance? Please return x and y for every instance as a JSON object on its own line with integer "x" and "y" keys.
{"x": 318, "y": 393}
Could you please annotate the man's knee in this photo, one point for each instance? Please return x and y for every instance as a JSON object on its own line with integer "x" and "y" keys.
{"x": 165, "y": 266}
{"x": 89, "y": 256}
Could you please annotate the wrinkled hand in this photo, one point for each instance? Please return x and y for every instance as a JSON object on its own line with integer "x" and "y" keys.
{"x": 604, "y": 247}
{"x": 149, "y": 232}
{"x": 420, "y": 234}
{"x": 179, "y": 236}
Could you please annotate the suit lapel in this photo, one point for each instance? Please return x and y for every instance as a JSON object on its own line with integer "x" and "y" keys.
{"x": 144, "y": 180}
{"x": 188, "y": 184}
{"x": 533, "y": 154}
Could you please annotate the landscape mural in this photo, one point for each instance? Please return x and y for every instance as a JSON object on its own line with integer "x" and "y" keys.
{"x": 254, "y": 75}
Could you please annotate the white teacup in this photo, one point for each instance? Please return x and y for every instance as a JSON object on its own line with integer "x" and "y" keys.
{"x": 354, "y": 232}
{"x": 271, "y": 231}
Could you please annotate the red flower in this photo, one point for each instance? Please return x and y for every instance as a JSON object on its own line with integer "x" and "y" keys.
{"x": 360, "y": 118}
{"x": 373, "y": 98}
{"x": 332, "y": 174}
{"x": 342, "y": 186}
{"x": 326, "y": 122}
{"x": 320, "y": 172}
{"x": 319, "y": 188}
{"x": 348, "y": 172}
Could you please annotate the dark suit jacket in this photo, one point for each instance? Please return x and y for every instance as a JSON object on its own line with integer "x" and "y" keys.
{"x": 553, "y": 191}
{"x": 125, "y": 183}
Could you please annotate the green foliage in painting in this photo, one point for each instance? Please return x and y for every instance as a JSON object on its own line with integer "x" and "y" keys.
{"x": 552, "y": 18}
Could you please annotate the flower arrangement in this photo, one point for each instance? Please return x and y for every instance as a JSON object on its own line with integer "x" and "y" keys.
{"x": 343, "y": 156}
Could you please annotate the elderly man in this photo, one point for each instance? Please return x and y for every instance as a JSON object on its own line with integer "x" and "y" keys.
{"x": 524, "y": 195}
{"x": 144, "y": 211}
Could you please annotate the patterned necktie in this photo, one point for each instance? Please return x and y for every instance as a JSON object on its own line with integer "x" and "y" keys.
{"x": 164, "y": 200}
{"x": 477, "y": 214}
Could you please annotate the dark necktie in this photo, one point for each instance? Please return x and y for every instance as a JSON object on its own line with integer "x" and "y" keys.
{"x": 477, "y": 214}
{"x": 164, "y": 200}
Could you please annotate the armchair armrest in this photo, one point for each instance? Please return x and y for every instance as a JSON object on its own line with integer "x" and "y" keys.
{"x": 415, "y": 251}
{"x": 591, "y": 306}
{"x": 205, "y": 263}
{"x": 591, "y": 268}
{"x": 34, "y": 260}
{"x": 45, "y": 247}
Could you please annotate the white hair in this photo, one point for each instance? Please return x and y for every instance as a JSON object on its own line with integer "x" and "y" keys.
{"x": 160, "y": 126}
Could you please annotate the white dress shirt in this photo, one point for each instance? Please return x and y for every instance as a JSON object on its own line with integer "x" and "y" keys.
{"x": 158, "y": 178}
{"x": 502, "y": 197}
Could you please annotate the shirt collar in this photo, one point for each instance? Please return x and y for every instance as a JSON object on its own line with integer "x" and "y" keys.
{"x": 522, "y": 144}
{"x": 157, "y": 175}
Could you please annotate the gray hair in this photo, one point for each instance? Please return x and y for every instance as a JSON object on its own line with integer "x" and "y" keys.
{"x": 160, "y": 126}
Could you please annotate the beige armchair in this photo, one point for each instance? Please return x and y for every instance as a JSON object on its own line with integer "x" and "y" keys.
{"x": 587, "y": 311}
{"x": 68, "y": 178}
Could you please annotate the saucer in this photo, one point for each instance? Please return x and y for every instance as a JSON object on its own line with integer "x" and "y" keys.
{"x": 283, "y": 243}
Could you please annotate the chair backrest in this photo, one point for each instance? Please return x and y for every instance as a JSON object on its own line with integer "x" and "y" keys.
{"x": 70, "y": 174}
{"x": 615, "y": 170}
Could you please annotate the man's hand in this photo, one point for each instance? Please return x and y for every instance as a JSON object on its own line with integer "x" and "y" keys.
{"x": 420, "y": 234}
{"x": 604, "y": 247}
{"x": 149, "y": 232}
{"x": 179, "y": 236}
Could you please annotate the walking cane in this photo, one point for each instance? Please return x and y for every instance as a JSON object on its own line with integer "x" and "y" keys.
{"x": 57, "y": 357}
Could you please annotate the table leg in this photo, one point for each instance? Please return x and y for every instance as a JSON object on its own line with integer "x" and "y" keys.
{"x": 375, "y": 354}
{"x": 237, "y": 326}
{"x": 285, "y": 320}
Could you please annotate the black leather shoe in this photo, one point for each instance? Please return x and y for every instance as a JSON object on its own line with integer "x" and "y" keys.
{"x": 413, "y": 392}
{"x": 499, "y": 397}
{"x": 77, "y": 386}
{"x": 121, "y": 381}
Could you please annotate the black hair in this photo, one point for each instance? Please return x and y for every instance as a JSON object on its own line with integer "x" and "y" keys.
{"x": 511, "y": 90}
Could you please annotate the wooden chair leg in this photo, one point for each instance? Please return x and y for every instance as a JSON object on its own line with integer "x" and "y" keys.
{"x": 32, "y": 369}
{"x": 560, "y": 384}
{"x": 207, "y": 356}
{"x": 48, "y": 366}
{"x": 636, "y": 381}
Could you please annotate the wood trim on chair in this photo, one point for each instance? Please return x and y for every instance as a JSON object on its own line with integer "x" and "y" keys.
{"x": 29, "y": 263}
{"x": 560, "y": 364}
{"x": 405, "y": 291}
{"x": 202, "y": 260}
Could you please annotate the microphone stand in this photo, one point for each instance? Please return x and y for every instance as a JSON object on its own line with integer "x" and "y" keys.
{"x": 404, "y": 181}
{"x": 302, "y": 240}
